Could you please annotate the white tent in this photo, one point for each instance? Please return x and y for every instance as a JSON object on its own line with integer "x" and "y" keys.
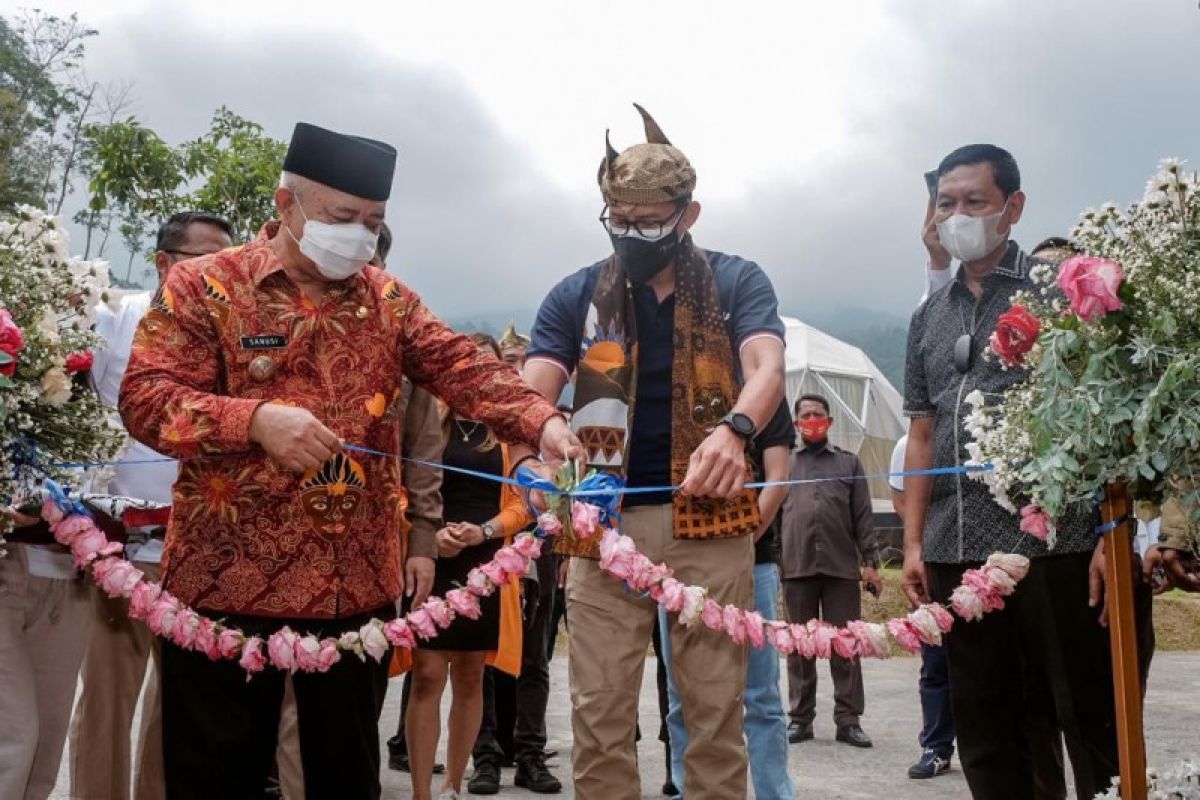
{"x": 867, "y": 410}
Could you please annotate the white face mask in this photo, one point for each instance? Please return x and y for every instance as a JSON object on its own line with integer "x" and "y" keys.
{"x": 970, "y": 238}
{"x": 340, "y": 251}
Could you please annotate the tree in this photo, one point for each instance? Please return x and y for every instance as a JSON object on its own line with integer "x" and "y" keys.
{"x": 43, "y": 101}
{"x": 138, "y": 179}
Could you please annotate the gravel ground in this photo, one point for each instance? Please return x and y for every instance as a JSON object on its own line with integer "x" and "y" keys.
{"x": 824, "y": 769}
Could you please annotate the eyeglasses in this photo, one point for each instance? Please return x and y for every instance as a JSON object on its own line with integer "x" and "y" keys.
{"x": 650, "y": 230}
{"x": 964, "y": 353}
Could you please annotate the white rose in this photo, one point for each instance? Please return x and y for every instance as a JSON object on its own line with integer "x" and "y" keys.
{"x": 56, "y": 387}
{"x": 47, "y": 326}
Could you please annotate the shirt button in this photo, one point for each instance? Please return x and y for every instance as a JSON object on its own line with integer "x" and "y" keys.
{"x": 362, "y": 312}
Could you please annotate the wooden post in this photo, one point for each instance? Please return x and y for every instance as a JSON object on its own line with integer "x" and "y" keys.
{"x": 1122, "y": 627}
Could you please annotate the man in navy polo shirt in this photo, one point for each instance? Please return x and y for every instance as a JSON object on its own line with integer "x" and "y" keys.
{"x": 677, "y": 356}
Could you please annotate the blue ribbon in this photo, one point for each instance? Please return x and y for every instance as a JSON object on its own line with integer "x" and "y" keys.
{"x": 62, "y": 498}
{"x": 600, "y": 488}
{"x": 1113, "y": 524}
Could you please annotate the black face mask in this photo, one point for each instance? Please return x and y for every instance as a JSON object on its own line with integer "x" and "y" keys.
{"x": 643, "y": 260}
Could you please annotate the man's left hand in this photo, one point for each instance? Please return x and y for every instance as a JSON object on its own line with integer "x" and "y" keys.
{"x": 717, "y": 467}
{"x": 870, "y": 577}
{"x": 418, "y": 578}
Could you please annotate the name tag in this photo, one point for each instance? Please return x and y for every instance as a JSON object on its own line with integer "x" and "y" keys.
{"x": 266, "y": 341}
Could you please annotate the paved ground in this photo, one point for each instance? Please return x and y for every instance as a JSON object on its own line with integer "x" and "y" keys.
{"x": 826, "y": 770}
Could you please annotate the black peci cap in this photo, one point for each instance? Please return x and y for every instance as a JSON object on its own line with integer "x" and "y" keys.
{"x": 351, "y": 164}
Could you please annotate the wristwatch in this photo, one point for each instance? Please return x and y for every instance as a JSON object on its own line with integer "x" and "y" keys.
{"x": 489, "y": 531}
{"x": 740, "y": 424}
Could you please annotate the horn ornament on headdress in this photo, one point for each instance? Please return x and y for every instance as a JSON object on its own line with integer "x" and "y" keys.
{"x": 644, "y": 174}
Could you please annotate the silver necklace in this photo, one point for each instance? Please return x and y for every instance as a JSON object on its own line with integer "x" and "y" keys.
{"x": 466, "y": 432}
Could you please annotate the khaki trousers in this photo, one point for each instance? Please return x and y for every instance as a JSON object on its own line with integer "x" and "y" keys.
{"x": 43, "y": 629}
{"x": 287, "y": 751}
{"x": 119, "y": 650}
{"x": 610, "y": 630}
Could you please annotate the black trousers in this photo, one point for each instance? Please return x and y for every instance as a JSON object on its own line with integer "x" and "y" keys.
{"x": 514, "y": 709}
{"x": 1045, "y": 641}
{"x": 837, "y": 601}
{"x": 220, "y": 731}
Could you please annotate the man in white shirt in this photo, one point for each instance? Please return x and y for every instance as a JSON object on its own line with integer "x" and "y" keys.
{"x": 119, "y": 649}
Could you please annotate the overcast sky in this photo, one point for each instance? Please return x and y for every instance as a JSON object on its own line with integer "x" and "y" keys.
{"x": 809, "y": 124}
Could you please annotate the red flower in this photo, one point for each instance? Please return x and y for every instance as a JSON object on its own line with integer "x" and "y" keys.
{"x": 1015, "y": 333}
{"x": 12, "y": 341}
{"x": 79, "y": 362}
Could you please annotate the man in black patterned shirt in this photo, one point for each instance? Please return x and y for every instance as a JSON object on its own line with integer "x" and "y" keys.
{"x": 1048, "y": 633}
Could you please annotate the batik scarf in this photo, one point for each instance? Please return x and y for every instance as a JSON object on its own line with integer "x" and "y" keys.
{"x": 703, "y": 391}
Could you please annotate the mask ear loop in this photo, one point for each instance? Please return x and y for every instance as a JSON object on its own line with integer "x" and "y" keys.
{"x": 296, "y": 202}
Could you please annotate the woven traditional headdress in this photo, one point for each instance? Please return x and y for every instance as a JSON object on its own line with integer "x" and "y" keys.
{"x": 654, "y": 172}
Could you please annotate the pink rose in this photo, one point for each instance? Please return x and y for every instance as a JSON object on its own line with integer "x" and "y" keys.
{"x": 1035, "y": 522}
{"x": 753, "y": 622}
{"x": 306, "y": 649}
{"x": 424, "y": 626}
{"x": 617, "y": 554}
{"x": 70, "y": 527}
{"x": 1091, "y": 285}
{"x": 822, "y": 638}
{"x": 526, "y": 545}
{"x": 926, "y": 626}
{"x": 373, "y": 641}
{"x": 905, "y": 634}
{"x": 653, "y": 575}
{"x": 399, "y": 633}
{"x": 585, "y": 518}
{"x": 734, "y": 623}
{"x": 845, "y": 643}
{"x": 161, "y": 617}
{"x": 463, "y": 603}
{"x": 86, "y": 545}
{"x": 51, "y": 512}
{"x": 142, "y": 598}
{"x": 944, "y": 619}
{"x": 439, "y": 611}
{"x": 549, "y": 524}
{"x": 328, "y": 654}
{"x": 802, "y": 635}
{"x": 694, "y": 598}
{"x": 779, "y": 634}
{"x": 1016, "y": 566}
{"x": 12, "y": 342}
{"x": 119, "y": 578}
{"x": 495, "y": 573}
{"x": 985, "y": 588}
{"x": 872, "y": 638}
{"x": 281, "y": 648}
{"x": 187, "y": 622}
{"x": 206, "y": 639}
{"x": 229, "y": 642}
{"x": 966, "y": 603}
{"x": 712, "y": 616}
{"x": 478, "y": 583}
{"x": 252, "y": 659}
{"x": 671, "y": 595}
{"x": 510, "y": 561}
{"x": 1001, "y": 581}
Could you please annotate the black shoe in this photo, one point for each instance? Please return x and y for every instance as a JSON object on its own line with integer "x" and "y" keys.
{"x": 533, "y": 775}
{"x": 799, "y": 733}
{"x": 854, "y": 736}
{"x": 670, "y": 790}
{"x": 399, "y": 762}
{"x": 485, "y": 779}
{"x": 930, "y": 765}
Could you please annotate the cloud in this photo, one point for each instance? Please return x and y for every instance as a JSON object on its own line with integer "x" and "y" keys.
{"x": 1087, "y": 96}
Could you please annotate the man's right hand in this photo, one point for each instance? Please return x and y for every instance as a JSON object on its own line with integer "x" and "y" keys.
{"x": 939, "y": 256}
{"x": 1180, "y": 569}
{"x": 914, "y": 582}
{"x": 293, "y": 437}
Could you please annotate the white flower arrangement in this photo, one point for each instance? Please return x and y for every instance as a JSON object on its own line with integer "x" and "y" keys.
{"x": 48, "y": 302}
{"x": 1181, "y": 783}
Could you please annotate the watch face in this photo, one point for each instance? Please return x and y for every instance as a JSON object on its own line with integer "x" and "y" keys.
{"x": 741, "y": 424}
